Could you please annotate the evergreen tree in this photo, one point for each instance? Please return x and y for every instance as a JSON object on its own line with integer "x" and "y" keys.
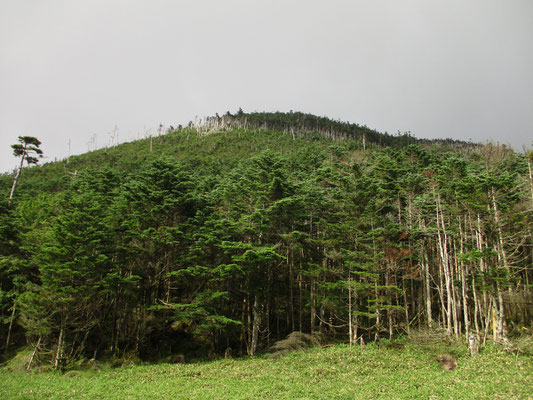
{"x": 28, "y": 150}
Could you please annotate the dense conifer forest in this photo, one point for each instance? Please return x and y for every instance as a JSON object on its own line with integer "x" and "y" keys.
{"x": 235, "y": 230}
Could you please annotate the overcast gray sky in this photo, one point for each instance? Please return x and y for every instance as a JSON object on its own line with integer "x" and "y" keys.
{"x": 72, "y": 69}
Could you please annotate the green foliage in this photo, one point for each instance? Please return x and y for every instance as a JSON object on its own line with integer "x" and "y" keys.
{"x": 28, "y": 147}
{"x": 257, "y": 225}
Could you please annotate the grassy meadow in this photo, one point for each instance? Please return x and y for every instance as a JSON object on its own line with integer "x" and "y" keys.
{"x": 335, "y": 372}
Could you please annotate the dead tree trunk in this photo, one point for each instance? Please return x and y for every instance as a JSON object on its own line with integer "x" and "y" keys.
{"x": 59, "y": 350}
{"x": 30, "y": 362}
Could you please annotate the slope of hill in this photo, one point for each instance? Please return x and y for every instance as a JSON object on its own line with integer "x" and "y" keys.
{"x": 240, "y": 229}
{"x": 228, "y": 138}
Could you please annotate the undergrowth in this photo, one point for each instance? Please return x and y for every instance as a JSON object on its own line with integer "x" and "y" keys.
{"x": 409, "y": 371}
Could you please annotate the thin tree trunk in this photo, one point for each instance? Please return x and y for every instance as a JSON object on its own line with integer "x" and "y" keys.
{"x": 530, "y": 166}
{"x": 486, "y": 301}
{"x": 427, "y": 289}
{"x": 355, "y": 319}
{"x": 502, "y": 257}
{"x": 378, "y": 314}
{"x": 59, "y": 349}
{"x": 9, "y": 327}
{"x": 249, "y": 321}
{"x": 19, "y": 171}
{"x": 464, "y": 282}
{"x": 466, "y": 316}
{"x": 406, "y": 306}
{"x": 350, "y": 331}
{"x": 28, "y": 367}
{"x": 455, "y": 303}
{"x": 502, "y": 254}
{"x": 256, "y": 323}
{"x": 500, "y": 322}
{"x": 443, "y": 249}
{"x": 313, "y": 305}
{"x": 389, "y": 302}
{"x": 291, "y": 288}
{"x": 477, "y": 307}
{"x": 300, "y": 314}
{"x": 243, "y": 339}
{"x": 494, "y": 313}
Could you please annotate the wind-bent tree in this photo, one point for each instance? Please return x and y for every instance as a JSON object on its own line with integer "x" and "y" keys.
{"x": 28, "y": 150}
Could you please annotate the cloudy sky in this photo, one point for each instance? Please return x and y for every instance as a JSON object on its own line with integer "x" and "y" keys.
{"x": 75, "y": 71}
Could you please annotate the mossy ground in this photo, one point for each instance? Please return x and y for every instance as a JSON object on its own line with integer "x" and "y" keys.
{"x": 335, "y": 372}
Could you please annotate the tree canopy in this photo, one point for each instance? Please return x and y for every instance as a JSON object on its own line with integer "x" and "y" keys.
{"x": 201, "y": 241}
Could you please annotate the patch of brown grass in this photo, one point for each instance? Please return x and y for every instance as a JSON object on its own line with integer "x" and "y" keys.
{"x": 295, "y": 341}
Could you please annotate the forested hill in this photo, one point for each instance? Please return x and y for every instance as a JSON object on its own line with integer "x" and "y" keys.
{"x": 298, "y": 123}
{"x": 53, "y": 176}
{"x": 237, "y": 230}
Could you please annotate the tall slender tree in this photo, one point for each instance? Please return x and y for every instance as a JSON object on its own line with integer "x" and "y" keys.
{"x": 28, "y": 150}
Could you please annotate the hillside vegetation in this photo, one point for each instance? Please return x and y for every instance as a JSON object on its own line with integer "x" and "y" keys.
{"x": 233, "y": 232}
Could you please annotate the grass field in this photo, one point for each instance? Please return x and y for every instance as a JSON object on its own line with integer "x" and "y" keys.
{"x": 322, "y": 373}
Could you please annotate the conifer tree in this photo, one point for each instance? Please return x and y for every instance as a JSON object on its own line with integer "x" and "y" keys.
{"x": 28, "y": 150}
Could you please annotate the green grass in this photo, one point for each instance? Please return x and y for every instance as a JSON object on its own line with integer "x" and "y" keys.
{"x": 331, "y": 373}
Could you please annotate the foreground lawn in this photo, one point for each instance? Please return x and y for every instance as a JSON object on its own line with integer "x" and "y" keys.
{"x": 330, "y": 373}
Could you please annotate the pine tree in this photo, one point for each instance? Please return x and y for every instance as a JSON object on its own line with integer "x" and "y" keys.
{"x": 28, "y": 150}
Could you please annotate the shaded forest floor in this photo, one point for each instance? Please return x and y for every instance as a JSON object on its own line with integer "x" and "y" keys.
{"x": 336, "y": 372}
